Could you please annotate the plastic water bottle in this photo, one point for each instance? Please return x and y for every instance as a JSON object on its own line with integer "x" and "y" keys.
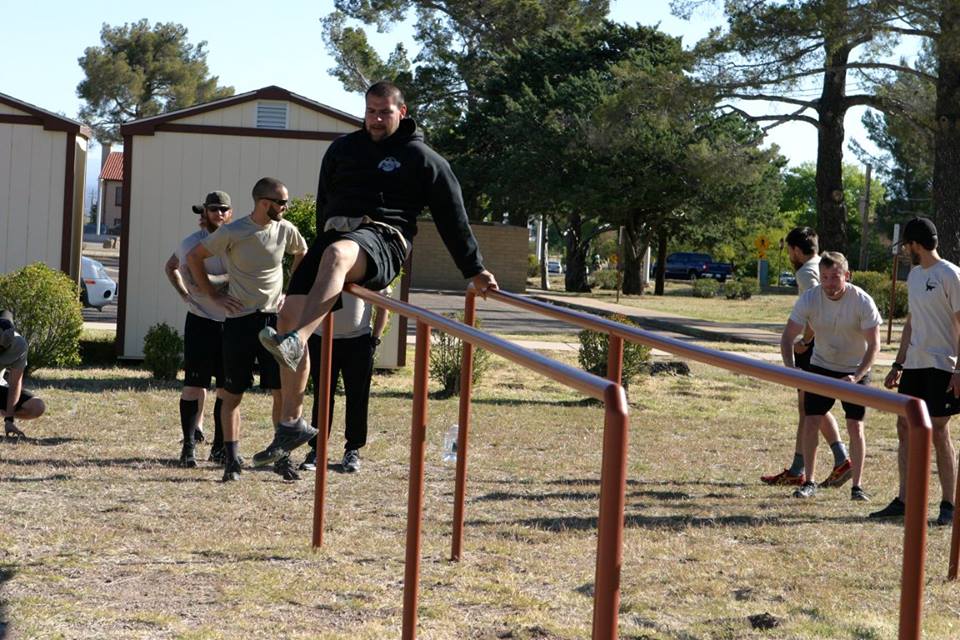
{"x": 450, "y": 444}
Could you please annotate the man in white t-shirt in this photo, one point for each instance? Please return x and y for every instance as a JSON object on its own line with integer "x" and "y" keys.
{"x": 846, "y": 322}
{"x": 926, "y": 364}
{"x": 803, "y": 252}
{"x": 354, "y": 345}
{"x": 202, "y": 331}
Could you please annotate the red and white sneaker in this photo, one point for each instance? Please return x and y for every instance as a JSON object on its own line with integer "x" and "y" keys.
{"x": 840, "y": 474}
{"x": 783, "y": 478}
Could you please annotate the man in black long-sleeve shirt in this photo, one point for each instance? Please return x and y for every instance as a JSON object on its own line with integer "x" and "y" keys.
{"x": 373, "y": 184}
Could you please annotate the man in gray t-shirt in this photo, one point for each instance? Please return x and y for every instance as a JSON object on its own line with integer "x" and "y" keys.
{"x": 202, "y": 331}
{"x": 802, "y": 251}
{"x": 15, "y": 401}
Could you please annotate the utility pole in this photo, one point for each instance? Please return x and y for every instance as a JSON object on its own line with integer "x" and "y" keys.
{"x": 865, "y": 221}
{"x": 544, "y": 280}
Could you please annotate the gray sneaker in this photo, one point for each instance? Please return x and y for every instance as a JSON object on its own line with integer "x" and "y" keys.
{"x": 806, "y": 490}
{"x": 285, "y": 440}
{"x": 351, "y": 461}
{"x": 287, "y": 349}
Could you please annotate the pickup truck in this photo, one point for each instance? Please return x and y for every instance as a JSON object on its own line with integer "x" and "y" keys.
{"x": 690, "y": 266}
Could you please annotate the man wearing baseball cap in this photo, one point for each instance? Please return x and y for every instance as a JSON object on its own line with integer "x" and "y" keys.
{"x": 202, "y": 331}
{"x": 926, "y": 364}
{"x": 15, "y": 401}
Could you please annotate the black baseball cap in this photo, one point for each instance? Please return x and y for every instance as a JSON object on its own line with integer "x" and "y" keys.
{"x": 213, "y": 199}
{"x": 6, "y": 320}
{"x": 921, "y": 230}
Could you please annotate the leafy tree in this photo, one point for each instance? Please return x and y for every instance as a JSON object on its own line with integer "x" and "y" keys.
{"x": 774, "y": 50}
{"x": 459, "y": 41}
{"x": 139, "y": 71}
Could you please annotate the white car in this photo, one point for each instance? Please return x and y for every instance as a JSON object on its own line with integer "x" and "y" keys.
{"x": 96, "y": 287}
{"x": 787, "y": 279}
{"x": 554, "y": 267}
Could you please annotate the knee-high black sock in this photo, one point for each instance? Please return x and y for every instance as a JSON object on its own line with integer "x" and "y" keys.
{"x": 217, "y": 424}
{"x": 188, "y": 418}
{"x": 230, "y": 452}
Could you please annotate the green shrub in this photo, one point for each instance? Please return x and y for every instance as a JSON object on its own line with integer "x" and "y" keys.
{"x": 163, "y": 351}
{"x": 705, "y": 288}
{"x": 446, "y": 356}
{"x": 740, "y": 289}
{"x": 46, "y": 310}
{"x": 605, "y": 279}
{"x": 877, "y": 285}
{"x": 594, "y": 347}
{"x": 302, "y": 212}
{"x": 533, "y": 266}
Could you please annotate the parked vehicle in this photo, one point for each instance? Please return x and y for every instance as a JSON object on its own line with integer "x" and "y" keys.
{"x": 554, "y": 267}
{"x": 97, "y": 288}
{"x": 787, "y": 279}
{"x": 691, "y": 266}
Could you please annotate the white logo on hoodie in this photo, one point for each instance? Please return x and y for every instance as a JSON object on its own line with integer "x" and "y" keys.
{"x": 389, "y": 164}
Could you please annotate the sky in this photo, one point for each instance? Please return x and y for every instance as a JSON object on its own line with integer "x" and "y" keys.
{"x": 254, "y": 44}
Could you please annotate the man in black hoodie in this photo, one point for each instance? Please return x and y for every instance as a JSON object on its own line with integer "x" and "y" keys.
{"x": 373, "y": 184}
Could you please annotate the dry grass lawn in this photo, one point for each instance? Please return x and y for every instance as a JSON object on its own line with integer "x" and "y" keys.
{"x": 103, "y": 537}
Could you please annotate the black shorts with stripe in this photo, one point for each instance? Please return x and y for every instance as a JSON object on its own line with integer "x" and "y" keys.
{"x": 817, "y": 405}
{"x": 243, "y": 353}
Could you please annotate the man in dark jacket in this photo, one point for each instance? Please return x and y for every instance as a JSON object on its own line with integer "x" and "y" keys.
{"x": 373, "y": 184}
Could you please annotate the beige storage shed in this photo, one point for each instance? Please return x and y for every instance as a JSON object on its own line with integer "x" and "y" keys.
{"x": 172, "y": 160}
{"x": 43, "y": 159}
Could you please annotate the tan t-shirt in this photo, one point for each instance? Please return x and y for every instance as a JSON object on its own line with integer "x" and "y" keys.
{"x": 839, "y": 326}
{"x": 253, "y": 256}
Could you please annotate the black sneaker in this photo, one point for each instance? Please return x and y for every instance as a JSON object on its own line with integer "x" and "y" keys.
{"x": 351, "y": 461}
{"x": 895, "y": 509}
{"x": 231, "y": 472}
{"x": 858, "y": 494}
{"x": 310, "y": 462}
{"x": 285, "y": 440}
{"x": 946, "y": 514}
{"x": 216, "y": 454}
{"x": 188, "y": 459}
{"x": 284, "y": 467}
{"x": 806, "y": 490}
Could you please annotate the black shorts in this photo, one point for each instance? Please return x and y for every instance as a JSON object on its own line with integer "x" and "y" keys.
{"x": 385, "y": 256}
{"x": 24, "y": 396}
{"x": 817, "y": 405}
{"x": 202, "y": 351}
{"x": 930, "y": 385}
{"x": 242, "y": 350}
{"x": 802, "y": 360}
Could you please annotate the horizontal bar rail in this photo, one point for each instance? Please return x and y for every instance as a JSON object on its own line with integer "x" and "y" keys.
{"x": 613, "y": 471}
{"x": 919, "y": 431}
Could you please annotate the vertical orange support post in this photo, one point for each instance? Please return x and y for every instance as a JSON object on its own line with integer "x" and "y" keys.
{"x": 614, "y": 359}
{"x": 955, "y": 537}
{"x": 321, "y": 397}
{"x": 613, "y": 489}
{"x": 919, "y": 437}
{"x": 463, "y": 422}
{"x": 418, "y": 452}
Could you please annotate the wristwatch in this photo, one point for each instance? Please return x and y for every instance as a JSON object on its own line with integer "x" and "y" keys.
{"x": 896, "y": 366}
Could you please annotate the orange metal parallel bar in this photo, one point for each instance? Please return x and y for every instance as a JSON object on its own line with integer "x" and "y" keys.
{"x": 613, "y": 471}
{"x": 322, "y": 401}
{"x": 919, "y": 434}
{"x": 463, "y": 422}
{"x": 883, "y": 400}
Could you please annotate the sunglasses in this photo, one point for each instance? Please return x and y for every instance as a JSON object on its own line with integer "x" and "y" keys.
{"x": 219, "y": 209}
{"x": 276, "y": 201}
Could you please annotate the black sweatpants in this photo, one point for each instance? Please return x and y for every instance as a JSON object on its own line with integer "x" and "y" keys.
{"x": 353, "y": 359}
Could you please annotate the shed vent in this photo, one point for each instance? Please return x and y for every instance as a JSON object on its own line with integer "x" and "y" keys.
{"x": 271, "y": 115}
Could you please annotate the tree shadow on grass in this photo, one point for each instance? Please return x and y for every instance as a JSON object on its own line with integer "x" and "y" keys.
{"x": 52, "y": 478}
{"x": 438, "y": 395}
{"x": 6, "y": 575}
{"x": 39, "y": 442}
{"x": 677, "y": 522}
{"x": 101, "y": 385}
{"x": 583, "y": 496}
{"x": 659, "y": 483}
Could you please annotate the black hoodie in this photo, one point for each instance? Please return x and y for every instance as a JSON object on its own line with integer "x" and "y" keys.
{"x": 392, "y": 181}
